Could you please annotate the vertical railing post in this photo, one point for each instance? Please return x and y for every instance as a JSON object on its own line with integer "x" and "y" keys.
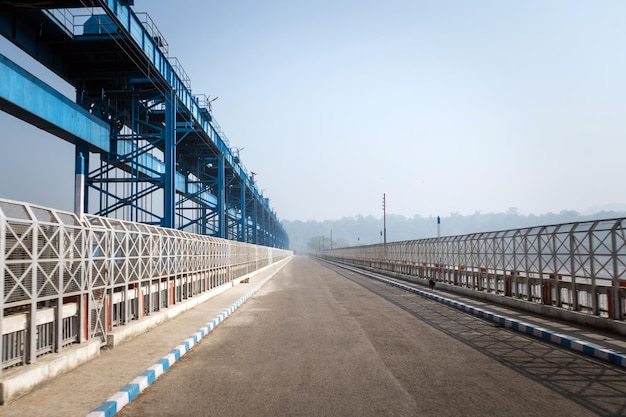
{"x": 125, "y": 316}
{"x": 86, "y": 288}
{"x": 31, "y": 344}
{"x": 3, "y": 232}
{"x": 595, "y": 309}
{"x": 545, "y": 288}
{"x": 617, "y": 306}
{"x": 58, "y": 334}
{"x": 555, "y": 269}
{"x": 513, "y": 264}
{"x": 573, "y": 270}
{"x": 529, "y": 288}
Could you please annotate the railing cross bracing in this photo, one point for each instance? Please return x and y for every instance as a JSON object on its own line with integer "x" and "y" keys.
{"x": 575, "y": 266}
{"x": 68, "y": 280}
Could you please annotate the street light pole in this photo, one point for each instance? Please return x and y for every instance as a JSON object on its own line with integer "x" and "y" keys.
{"x": 439, "y": 237}
{"x": 384, "y": 220}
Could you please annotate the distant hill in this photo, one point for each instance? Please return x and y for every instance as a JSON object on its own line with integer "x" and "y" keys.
{"x": 360, "y": 230}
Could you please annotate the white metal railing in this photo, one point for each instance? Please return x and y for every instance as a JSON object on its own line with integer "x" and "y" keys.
{"x": 578, "y": 266}
{"x": 93, "y": 21}
{"x": 67, "y": 280}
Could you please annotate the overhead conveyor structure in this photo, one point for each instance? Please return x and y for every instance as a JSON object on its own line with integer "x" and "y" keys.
{"x": 148, "y": 149}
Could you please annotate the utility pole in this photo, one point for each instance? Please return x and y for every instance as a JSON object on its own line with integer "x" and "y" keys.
{"x": 384, "y": 220}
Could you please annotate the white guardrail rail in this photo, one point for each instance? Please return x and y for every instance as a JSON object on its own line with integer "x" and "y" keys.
{"x": 68, "y": 280}
{"x": 580, "y": 266}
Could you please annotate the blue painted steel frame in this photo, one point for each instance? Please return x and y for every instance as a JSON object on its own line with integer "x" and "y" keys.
{"x": 231, "y": 209}
{"x": 127, "y": 20}
{"x": 25, "y": 96}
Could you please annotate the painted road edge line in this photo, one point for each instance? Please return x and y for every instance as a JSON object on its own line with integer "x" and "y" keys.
{"x": 568, "y": 342}
{"x": 129, "y": 392}
{"x": 581, "y": 346}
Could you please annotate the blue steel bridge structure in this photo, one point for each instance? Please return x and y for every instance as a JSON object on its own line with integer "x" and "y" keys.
{"x": 147, "y": 149}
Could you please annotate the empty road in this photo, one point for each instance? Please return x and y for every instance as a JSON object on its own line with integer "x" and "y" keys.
{"x": 321, "y": 341}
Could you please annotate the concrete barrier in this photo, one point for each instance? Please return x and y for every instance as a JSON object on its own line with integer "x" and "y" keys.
{"x": 19, "y": 381}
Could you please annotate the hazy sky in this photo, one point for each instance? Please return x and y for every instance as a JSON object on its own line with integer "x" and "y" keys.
{"x": 446, "y": 106}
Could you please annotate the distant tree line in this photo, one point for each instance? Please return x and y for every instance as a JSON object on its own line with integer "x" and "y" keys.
{"x": 307, "y": 236}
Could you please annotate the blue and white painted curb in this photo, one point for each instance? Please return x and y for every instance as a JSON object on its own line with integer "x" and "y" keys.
{"x": 128, "y": 393}
{"x": 529, "y": 329}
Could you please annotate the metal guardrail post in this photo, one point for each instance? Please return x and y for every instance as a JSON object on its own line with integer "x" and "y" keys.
{"x": 616, "y": 306}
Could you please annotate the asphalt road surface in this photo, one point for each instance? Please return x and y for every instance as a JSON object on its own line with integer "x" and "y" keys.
{"x": 321, "y": 341}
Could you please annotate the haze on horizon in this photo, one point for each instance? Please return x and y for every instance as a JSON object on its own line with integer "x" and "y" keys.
{"x": 447, "y": 107}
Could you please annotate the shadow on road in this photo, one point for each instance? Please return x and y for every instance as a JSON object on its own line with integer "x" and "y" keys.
{"x": 594, "y": 385}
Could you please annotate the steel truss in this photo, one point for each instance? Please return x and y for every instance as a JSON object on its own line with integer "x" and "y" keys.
{"x": 168, "y": 163}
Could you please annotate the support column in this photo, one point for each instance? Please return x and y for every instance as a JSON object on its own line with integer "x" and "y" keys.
{"x": 244, "y": 222}
{"x": 221, "y": 198}
{"x": 266, "y": 225}
{"x": 169, "y": 191}
{"x": 80, "y": 192}
{"x": 203, "y": 220}
{"x": 255, "y": 221}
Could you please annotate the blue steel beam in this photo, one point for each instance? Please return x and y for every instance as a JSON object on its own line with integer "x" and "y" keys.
{"x": 26, "y": 97}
